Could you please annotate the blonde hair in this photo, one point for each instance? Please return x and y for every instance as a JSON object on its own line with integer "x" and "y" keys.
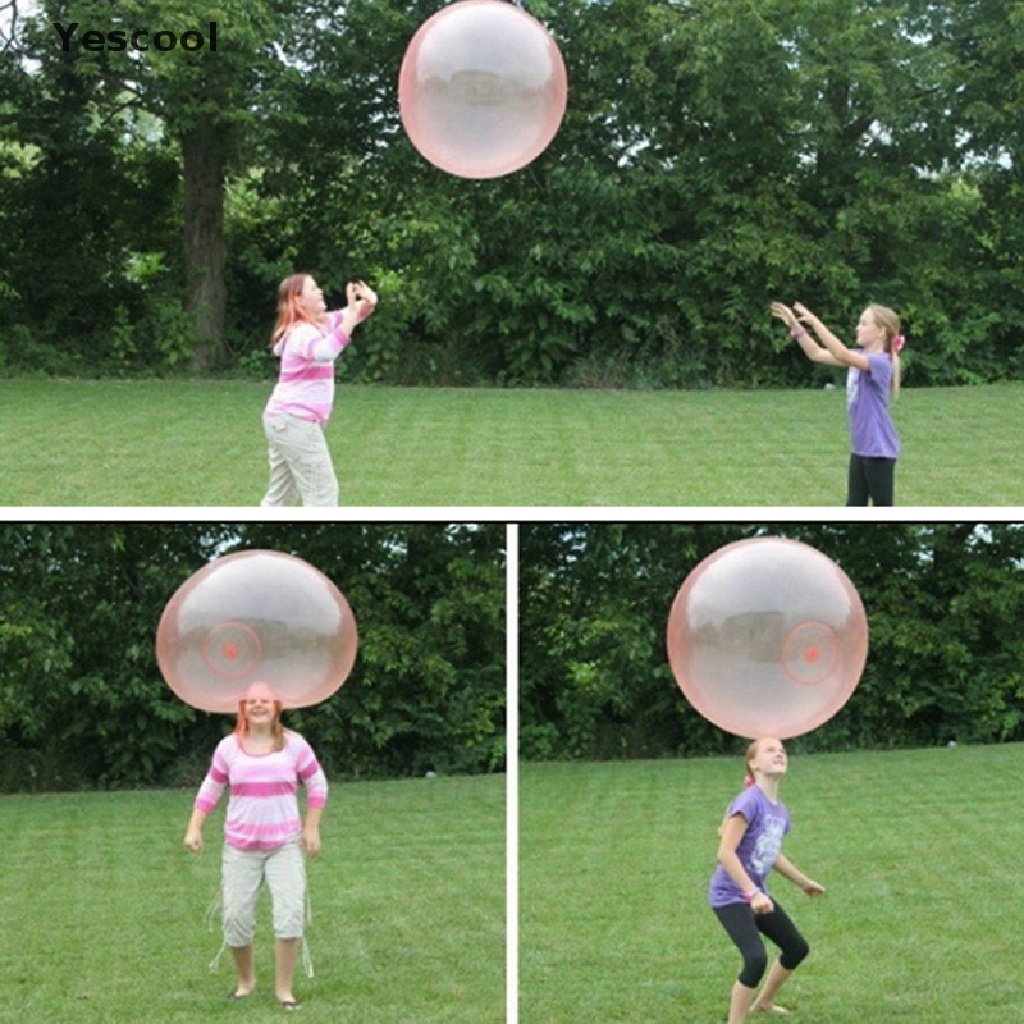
{"x": 750, "y": 755}
{"x": 887, "y": 319}
{"x": 748, "y": 781}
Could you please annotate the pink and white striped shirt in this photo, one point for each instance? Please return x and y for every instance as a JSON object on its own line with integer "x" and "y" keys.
{"x": 305, "y": 385}
{"x": 263, "y": 809}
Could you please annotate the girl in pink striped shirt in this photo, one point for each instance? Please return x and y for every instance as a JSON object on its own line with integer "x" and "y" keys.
{"x": 262, "y": 762}
{"x": 307, "y": 339}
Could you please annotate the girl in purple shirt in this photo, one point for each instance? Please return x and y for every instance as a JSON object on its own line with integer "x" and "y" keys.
{"x": 749, "y": 849}
{"x": 873, "y": 375}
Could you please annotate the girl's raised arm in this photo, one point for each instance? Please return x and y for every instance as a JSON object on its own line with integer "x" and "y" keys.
{"x": 814, "y": 352}
{"x": 839, "y": 353}
{"x": 362, "y": 301}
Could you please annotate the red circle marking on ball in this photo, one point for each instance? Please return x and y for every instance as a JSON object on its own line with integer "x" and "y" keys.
{"x": 256, "y": 615}
{"x": 767, "y": 637}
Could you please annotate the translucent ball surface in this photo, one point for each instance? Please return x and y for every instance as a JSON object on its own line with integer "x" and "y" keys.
{"x": 256, "y": 616}
{"x": 482, "y": 89}
{"x": 767, "y": 637}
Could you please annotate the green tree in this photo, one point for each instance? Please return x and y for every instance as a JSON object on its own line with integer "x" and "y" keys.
{"x": 202, "y": 100}
{"x": 82, "y": 703}
{"x": 942, "y": 601}
{"x": 714, "y": 156}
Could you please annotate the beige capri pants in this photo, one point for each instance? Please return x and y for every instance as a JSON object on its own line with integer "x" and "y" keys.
{"x": 284, "y": 871}
{"x": 300, "y": 464}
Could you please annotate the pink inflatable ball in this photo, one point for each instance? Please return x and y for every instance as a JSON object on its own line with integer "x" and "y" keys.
{"x": 767, "y": 637}
{"x": 482, "y": 89}
{"x": 256, "y": 617}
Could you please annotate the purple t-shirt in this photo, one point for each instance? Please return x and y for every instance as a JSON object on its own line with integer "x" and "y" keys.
{"x": 872, "y": 432}
{"x": 759, "y": 848}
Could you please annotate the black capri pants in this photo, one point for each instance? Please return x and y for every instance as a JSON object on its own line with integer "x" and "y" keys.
{"x": 871, "y": 480}
{"x": 745, "y": 928}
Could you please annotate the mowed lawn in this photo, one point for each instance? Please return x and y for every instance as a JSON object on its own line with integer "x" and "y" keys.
{"x": 919, "y": 852}
{"x": 102, "y": 910}
{"x": 73, "y": 443}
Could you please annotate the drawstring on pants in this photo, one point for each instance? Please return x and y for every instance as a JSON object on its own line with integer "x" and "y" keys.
{"x": 307, "y": 960}
{"x": 217, "y": 906}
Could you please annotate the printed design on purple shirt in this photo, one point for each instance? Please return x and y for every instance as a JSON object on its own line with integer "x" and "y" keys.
{"x": 758, "y": 850}
{"x": 872, "y": 432}
{"x": 769, "y": 843}
{"x": 852, "y": 385}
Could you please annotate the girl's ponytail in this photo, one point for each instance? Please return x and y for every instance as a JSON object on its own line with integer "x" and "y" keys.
{"x": 749, "y": 780}
{"x": 887, "y": 319}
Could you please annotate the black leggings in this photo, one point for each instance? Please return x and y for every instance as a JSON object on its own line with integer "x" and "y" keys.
{"x": 745, "y": 929}
{"x": 871, "y": 478}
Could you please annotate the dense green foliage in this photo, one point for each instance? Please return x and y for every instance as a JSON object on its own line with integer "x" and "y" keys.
{"x": 944, "y": 604}
{"x": 82, "y": 702}
{"x": 716, "y": 155}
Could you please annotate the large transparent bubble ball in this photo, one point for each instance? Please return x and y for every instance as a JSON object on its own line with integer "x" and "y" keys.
{"x": 482, "y": 89}
{"x": 767, "y": 637}
{"x": 256, "y": 616}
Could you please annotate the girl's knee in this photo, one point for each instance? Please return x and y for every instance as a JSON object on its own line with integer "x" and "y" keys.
{"x": 287, "y": 880}
{"x": 795, "y": 955}
{"x": 289, "y": 921}
{"x": 239, "y": 930}
{"x": 238, "y": 917}
{"x": 755, "y": 963}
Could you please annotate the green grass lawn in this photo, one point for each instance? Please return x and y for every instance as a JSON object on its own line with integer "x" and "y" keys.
{"x": 919, "y": 852}
{"x": 190, "y": 444}
{"x": 102, "y": 908}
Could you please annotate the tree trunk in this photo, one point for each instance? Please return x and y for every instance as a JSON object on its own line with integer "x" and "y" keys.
{"x": 205, "y": 148}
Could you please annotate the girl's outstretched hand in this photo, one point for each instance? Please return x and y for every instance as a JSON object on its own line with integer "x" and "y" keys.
{"x": 366, "y": 294}
{"x": 803, "y": 313}
{"x": 813, "y": 888}
{"x": 362, "y": 299}
{"x": 782, "y": 312}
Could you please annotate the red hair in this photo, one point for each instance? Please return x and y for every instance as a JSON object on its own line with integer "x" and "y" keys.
{"x": 276, "y": 728}
{"x": 289, "y": 306}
